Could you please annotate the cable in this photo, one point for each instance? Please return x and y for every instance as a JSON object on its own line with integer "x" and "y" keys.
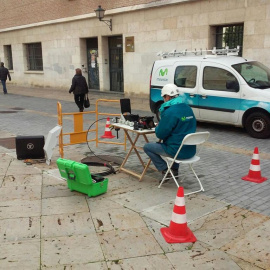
{"x": 111, "y": 169}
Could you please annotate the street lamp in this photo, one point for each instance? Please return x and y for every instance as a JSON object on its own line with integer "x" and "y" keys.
{"x": 100, "y": 14}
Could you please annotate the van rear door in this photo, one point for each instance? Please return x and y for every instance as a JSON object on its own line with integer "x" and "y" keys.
{"x": 162, "y": 74}
{"x": 186, "y": 78}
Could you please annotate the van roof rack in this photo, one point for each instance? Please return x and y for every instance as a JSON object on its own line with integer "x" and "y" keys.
{"x": 214, "y": 51}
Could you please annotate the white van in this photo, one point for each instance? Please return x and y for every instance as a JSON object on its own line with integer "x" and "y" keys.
{"x": 220, "y": 88}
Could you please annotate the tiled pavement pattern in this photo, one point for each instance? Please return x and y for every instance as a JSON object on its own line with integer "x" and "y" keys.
{"x": 45, "y": 226}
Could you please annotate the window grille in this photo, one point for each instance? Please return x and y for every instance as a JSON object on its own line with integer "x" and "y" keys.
{"x": 230, "y": 35}
{"x": 34, "y": 56}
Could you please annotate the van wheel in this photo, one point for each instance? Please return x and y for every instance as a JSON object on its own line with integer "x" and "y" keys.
{"x": 258, "y": 125}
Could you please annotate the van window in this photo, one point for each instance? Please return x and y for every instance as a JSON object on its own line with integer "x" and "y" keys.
{"x": 219, "y": 79}
{"x": 185, "y": 76}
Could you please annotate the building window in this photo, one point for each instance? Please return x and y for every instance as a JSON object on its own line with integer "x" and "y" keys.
{"x": 8, "y": 57}
{"x": 34, "y": 56}
{"x": 230, "y": 35}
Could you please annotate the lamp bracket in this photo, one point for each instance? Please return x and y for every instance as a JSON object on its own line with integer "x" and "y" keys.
{"x": 108, "y": 22}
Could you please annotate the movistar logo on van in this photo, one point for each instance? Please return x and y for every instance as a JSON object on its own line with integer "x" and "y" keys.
{"x": 163, "y": 72}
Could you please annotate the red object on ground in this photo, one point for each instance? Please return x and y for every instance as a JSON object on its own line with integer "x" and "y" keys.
{"x": 178, "y": 231}
{"x": 254, "y": 174}
{"x": 108, "y": 132}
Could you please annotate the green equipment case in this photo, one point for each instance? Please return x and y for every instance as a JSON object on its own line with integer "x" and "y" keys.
{"x": 79, "y": 178}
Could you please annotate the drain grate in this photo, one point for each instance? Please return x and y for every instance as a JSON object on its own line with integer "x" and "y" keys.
{"x": 17, "y": 108}
{"x": 8, "y": 143}
{"x": 8, "y": 112}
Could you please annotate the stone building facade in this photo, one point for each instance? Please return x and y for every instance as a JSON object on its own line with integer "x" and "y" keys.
{"x": 42, "y": 42}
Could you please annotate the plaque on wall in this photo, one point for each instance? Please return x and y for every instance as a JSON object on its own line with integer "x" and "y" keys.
{"x": 130, "y": 44}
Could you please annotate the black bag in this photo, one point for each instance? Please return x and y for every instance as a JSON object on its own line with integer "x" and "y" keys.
{"x": 86, "y": 102}
{"x": 147, "y": 122}
{"x": 30, "y": 147}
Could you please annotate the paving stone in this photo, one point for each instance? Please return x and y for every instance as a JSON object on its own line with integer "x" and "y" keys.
{"x": 88, "y": 266}
{"x": 5, "y": 158}
{"x": 66, "y": 225}
{"x": 49, "y": 180}
{"x": 20, "y": 193}
{"x": 55, "y": 173}
{"x": 18, "y": 167}
{"x": 19, "y": 229}
{"x": 244, "y": 264}
{"x": 61, "y": 205}
{"x": 223, "y": 226}
{"x": 121, "y": 183}
{"x": 148, "y": 262}
{"x": 116, "y": 219}
{"x": 5, "y": 161}
{"x": 22, "y": 180}
{"x": 202, "y": 259}
{"x": 121, "y": 244}
{"x": 79, "y": 249}
{"x": 253, "y": 247}
{"x": 141, "y": 199}
{"x": 1, "y": 180}
{"x": 20, "y": 208}
{"x": 100, "y": 203}
{"x": 20, "y": 255}
{"x": 196, "y": 206}
{"x": 61, "y": 190}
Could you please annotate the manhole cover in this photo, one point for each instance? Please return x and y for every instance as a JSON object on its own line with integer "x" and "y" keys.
{"x": 17, "y": 108}
{"x": 7, "y": 111}
{"x": 103, "y": 158}
{"x": 8, "y": 143}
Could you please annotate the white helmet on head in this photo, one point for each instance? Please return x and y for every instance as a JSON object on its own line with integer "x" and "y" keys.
{"x": 170, "y": 90}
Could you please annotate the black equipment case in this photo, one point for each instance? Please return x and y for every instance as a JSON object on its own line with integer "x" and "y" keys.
{"x": 30, "y": 147}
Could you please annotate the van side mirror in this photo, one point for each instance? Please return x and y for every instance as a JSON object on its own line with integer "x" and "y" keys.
{"x": 232, "y": 85}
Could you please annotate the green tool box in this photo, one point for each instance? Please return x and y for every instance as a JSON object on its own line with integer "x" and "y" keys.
{"x": 79, "y": 178}
{"x": 64, "y": 164}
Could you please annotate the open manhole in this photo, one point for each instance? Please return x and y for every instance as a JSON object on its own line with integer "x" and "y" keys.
{"x": 103, "y": 164}
{"x": 102, "y": 159}
{"x": 8, "y": 143}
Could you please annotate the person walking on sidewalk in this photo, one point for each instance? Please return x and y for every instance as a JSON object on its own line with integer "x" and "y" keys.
{"x": 177, "y": 120}
{"x": 79, "y": 88}
{"x": 4, "y": 73}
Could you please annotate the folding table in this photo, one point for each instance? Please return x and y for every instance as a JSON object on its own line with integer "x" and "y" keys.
{"x": 144, "y": 132}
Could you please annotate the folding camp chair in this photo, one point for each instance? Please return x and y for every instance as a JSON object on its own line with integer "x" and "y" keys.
{"x": 197, "y": 138}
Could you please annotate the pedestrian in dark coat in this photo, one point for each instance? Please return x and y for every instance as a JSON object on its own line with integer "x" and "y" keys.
{"x": 4, "y": 73}
{"x": 79, "y": 88}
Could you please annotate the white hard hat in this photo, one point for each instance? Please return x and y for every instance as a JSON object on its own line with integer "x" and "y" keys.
{"x": 170, "y": 90}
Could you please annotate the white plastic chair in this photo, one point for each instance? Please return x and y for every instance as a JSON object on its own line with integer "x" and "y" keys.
{"x": 197, "y": 138}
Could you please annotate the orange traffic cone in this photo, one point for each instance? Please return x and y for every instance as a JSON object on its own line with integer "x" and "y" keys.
{"x": 178, "y": 231}
{"x": 108, "y": 132}
{"x": 254, "y": 174}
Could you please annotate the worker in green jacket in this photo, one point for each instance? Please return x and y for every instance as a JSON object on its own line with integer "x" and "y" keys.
{"x": 177, "y": 120}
